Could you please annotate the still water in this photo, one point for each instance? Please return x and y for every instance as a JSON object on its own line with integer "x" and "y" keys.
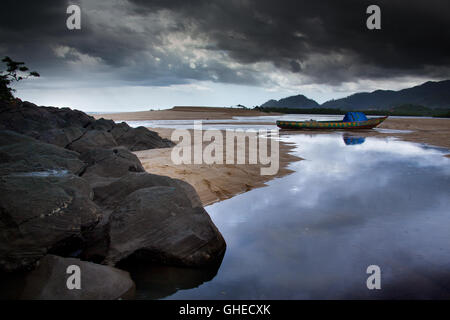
{"x": 353, "y": 202}
{"x": 258, "y": 122}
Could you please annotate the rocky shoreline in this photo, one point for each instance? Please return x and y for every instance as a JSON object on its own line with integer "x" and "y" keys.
{"x": 72, "y": 192}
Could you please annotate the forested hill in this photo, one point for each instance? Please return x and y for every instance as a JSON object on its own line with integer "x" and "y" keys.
{"x": 431, "y": 94}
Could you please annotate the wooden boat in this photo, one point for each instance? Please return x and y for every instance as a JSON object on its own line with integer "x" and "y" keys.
{"x": 312, "y": 124}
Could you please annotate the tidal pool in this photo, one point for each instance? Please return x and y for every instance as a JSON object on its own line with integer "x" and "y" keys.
{"x": 312, "y": 234}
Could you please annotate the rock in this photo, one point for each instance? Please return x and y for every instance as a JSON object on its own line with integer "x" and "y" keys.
{"x": 155, "y": 218}
{"x": 74, "y": 129}
{"x": 97, "y": 241}
{"x": 91, "y": 140}
{"x": 30, "y": 119}
{"x": 49, "y": 282}
{"x": 41, "y": 214}
{"x": 140, "y": 138}
{"x": 4, "y": 105}
{"x": 113, "y": 194}
{"x": 61, "y": 137}
{"x": 27, "y": 155}
{"x": 44, "y": 205}
{"x": 158, "y": 224}
{"x": 102, "y": 124}
{"x": 103, "y": 165}
{"x": 77, "y": 188}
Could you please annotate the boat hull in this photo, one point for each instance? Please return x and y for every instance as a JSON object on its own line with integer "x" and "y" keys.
{"x": 326, "y": 125}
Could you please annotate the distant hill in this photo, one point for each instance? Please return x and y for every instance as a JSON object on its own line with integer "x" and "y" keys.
{"x": 299, "y": 101}
{"x": 430, "y": 94}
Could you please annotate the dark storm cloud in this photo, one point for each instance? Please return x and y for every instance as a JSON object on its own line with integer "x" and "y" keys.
{"x": 124, "y": 44}
{"x": 415, "y": 35}
{"x": 23, "y": 26}
{"x": 323, "y": 41}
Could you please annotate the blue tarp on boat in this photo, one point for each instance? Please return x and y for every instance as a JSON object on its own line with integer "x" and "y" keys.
{"x": 354, "y": 116}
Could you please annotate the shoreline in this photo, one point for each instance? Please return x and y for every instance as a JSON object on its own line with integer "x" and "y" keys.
{"x": 214, "y": 182}
{"x": 217, "y": 182}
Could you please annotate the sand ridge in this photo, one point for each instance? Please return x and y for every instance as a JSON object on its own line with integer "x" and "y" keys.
{"x": 215, "y": 182}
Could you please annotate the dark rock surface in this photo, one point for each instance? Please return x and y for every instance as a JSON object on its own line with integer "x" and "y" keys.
{"x": 158, "y": 219}
{"x": 25, "y": 154}
{"x": 49, "y": 282}
{"x": 154, "y": 218}
{"x": 43, "y": 212}
{"x": 70, "y": 186}
{"x": 92, "y": 139}
{"x": 159, "y": 224}
{"x": 104, "y": 165}
{"x": 116, "y": 192}
{"x": 138, "y": 138}
{"x": 64, "y": 127}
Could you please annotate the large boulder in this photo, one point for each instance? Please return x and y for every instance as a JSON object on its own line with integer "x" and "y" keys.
{"x": 114, "y": 162}
{"x": 78, "y": 191}
{"x": 139, "y": 138}
{"x": 92, "y": 139}
{"x": 20, "y": 153}
{"x": 113, "y": 194}
{"x": 44, "y": 204}
{"x": 159, "y": 224}
{"x": 158, "y": 219}
{"x": 43, "y": 213}
{"x": 49, "y": 282}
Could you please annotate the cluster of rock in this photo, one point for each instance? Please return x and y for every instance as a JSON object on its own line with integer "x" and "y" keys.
{"x": 72, "y": 192}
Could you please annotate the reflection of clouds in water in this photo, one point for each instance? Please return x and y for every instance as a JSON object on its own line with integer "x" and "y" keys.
{"x": 328, "y": 159}
{"x": 331, "y": 172}
{"x": 313, "y": 233}
{"x": 332, "y": 147}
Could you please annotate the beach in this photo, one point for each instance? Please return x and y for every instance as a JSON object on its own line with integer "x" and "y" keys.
{"x": 222, "y": 181}
{"x": 184, "y": 113}
{"x": 435, "y": 132}
{"x": 322, "y": 198}
{"x": 214, "y": 182}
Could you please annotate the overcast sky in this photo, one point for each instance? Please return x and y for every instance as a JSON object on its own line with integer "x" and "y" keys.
{"x": 140, "y": 54}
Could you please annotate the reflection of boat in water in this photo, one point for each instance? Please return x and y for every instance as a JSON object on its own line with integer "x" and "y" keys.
{"x": 352, "y": 140}
{"x": 352, "y": 120}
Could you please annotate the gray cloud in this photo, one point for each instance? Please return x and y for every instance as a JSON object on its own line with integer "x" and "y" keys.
{"x": 244, "y": 42}
{"x": 327, "y": 40}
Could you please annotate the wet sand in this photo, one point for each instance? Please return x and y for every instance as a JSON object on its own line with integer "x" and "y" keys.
{"x": 218, "y": 182}
{"x": 430, "y": 131}
{"x": 214, "y": 182}
{"x": 435, "y": 132}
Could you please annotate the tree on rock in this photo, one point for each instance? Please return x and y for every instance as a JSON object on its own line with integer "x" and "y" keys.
{"x": 15, "y": 71}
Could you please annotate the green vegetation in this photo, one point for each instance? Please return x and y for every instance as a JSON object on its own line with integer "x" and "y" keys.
{"x": 401, "y": 110}
{"x": 15, "y": 71}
